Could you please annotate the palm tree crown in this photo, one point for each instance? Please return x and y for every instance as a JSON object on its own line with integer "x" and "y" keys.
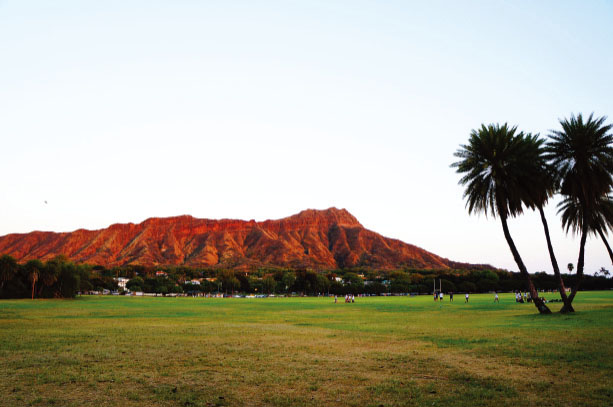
{"x": 582, "y": 155}
{"x": 499, "y": 167}
{"x": 601, "y": 217}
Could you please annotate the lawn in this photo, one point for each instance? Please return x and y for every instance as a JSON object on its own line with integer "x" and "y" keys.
{"x": 379, "y": 351}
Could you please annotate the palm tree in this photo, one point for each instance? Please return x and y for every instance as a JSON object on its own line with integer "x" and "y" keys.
{"x": 542, "y": 187}
{"x": 48, "y": 273}
{"x": 601, "y": 219}
{"x": 582, "y": 155}
{"x": 499, "y": 168}
{"x": 33, "y": 272}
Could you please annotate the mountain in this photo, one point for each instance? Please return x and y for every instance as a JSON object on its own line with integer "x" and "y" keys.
{"x": 325, "y": 239}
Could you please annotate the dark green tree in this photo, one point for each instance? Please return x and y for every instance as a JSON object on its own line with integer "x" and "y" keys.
{"x": 135, "y": 284}
{"x": 268, "y": 284}
{"x": 8, "y": 269}
{"x": 288, "y": 280}
{"x": 497, "y": 175}
{"x": 49, "y": 272}
{"x": 582, "y": 156}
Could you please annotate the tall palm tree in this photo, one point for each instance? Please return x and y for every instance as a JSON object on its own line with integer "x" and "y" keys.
{"x": 33, "y": 273}
{"x": 601, "y": 219}
{"x": 499, "y": 168}
{"x": 542, "y": 187}
{"x": 582, "y": 155}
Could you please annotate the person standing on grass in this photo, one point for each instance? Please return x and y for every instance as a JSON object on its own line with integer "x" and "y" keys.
{"x": 335, "y": 299}
{"x": 451, "y": 296}
{"x": 496, "y": 297}
{"x": 466, "y": 298}
{"x": 440, "y": 296}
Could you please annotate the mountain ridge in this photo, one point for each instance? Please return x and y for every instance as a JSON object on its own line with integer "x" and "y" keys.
{"x": 323, "y": 239}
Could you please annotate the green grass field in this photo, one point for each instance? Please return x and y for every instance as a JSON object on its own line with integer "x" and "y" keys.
{"x": 394, "y": 351}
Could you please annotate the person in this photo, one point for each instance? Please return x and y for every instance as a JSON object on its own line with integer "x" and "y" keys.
{"x": 335, "y": 299}
{"x": 440, "y": 296}
{"x": 496, "y": 297}
{"x": 435, "y": 296}
{"x": 352, "y": 298}
{"x": 466, "y": 298}
{"x": 451, "y": 296}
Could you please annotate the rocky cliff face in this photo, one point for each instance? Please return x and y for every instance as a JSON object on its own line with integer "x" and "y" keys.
{"x": 326, "y": 239}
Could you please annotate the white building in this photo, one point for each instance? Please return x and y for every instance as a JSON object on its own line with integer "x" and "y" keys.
{"x": 121, "y": 282}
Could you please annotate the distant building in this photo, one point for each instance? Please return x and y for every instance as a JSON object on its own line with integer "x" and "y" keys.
{"x": 161, "y": 273}
{"x": 121, "y": 282}
{"x": 194, "y": 282}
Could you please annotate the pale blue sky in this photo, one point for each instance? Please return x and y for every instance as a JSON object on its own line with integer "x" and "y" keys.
{"x": 117, "y": 111}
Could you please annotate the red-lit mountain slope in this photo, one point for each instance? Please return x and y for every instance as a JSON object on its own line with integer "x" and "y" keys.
{"x": 325, "y": 239}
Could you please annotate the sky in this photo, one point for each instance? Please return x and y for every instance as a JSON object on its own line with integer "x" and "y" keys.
{"x": 117, "y": 111}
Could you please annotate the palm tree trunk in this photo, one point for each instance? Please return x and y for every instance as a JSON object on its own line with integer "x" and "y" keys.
{"x": 33, "y": 284}
{"x": 538, "y": 302}
{"x": 606, "y": 243}
{"x": 554, "y": 261}
{"x": 580, "y": 264}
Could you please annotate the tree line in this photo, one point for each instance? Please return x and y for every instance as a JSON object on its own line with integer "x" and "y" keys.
{"x": 56, "y": 278}
{"x": 60, "y": 278}
{"x": 506, "y": 171}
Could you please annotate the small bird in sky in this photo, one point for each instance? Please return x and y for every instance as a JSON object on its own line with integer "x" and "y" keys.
{"x": 45, "y": 202}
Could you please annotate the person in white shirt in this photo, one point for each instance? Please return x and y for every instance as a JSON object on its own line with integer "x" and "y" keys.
{"x": 466, "y": 298}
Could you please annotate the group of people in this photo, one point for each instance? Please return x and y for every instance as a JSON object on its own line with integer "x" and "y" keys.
{"x": 438, "y": 296}
{"x": 348, "y": 298}
{"x": 521, "y": 298}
